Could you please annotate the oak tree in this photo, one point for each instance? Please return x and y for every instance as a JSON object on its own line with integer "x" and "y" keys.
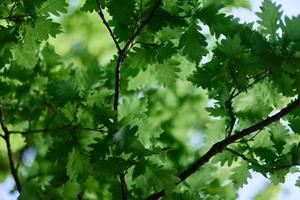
{"x": 146, "y": 99}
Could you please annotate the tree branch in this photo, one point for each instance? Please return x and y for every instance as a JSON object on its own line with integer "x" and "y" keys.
{"x": 120, "y": 61}
{"x": 221, "y": 145}
{"x": 138, "y": 30}
{"x": 232, "y": 118}
{"x": 6, "y": 137}
{"x": 101, "y": 15}
{"x": 123, "y": 186}
{"x": 57, "y": 129}
{"x": 122, "y": 53}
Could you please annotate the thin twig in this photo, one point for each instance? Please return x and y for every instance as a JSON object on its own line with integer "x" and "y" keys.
{"x": 12, "y": 165}
{"x": 51, "y": 119}
{"x": 123, "y": 52}
{"x": 101, "y": 15}
{"x": 141, "y": 9}
{"x": 123, "y": 186}
{"x": 120, "y": 61}
{"x": 142, "y": 25}
{"x": 221, "y": 145}
{"x": 255, "y": 162}
{"x": 72, "y": 127}
{"x": 14, "y": 17}
{"x": 251, "y": 84}
{"x": 232, "y": 118}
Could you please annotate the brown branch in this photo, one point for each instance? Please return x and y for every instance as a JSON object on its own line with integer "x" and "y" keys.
{"x": 122, "y": 53}
{"x": 57, "y": 129}
{"x": 221, "y": 145}
{"x": 138, "y": 30}
{"x": 232, "y": 118}
{"x": 124, "y": 50}
{"x": 120, "y": 61}
{"x": 12, "y": 165}
{"x": 123, "y": 186}
{"x": 101, "y": 15}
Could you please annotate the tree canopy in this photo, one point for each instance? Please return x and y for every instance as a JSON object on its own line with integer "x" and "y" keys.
{"x": 146, "y": 99}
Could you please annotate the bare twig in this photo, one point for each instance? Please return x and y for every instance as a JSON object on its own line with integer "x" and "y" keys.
{"x": 15, "y": 17}
{"x": 12, "y": 165}
{"x": 70, "y": 127}
{"x": 123, "y": 186}
{"x": 51, "y": 119}
{"x": 221, "y": 145}
{"x": 120, "y": 61}
{"x": 101, "y": 15}
{"x": 122, "y": 53}
{"x": 258, "y": 79}
{"x": 232, "y": 118}
{"x": 138, "y": 30}
{"x": 141, "y": 9}
{"x": 255, "y": 162}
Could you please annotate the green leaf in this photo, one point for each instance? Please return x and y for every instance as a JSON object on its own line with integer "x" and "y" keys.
{"x": 231, "y": 47}
{"x": 55, "y": 7}
{"x": 269, "y": 16}
{"x": 161, "y": 178}
{"x": 225, "y": 158}
{"x": 25, "y": 57}
{"x": 167, "y": 72}
{"x": 193, "y": 44}
{"x": 291, "y": 28}
{"x": 91, "y": 5}
{"x": 90, "y": 79}
{"x": 240, "y": 175}
{"x": 45, "y": 27}
{"x": 78, "y": 165}
{"x": 62, "y": 92}
{"x": 70, "y": 190}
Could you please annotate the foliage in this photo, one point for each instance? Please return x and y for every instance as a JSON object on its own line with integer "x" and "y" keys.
{"x": 129, "y": 99}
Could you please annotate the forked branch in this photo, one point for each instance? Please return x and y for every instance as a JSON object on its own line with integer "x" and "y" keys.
{"x": 122, "y": 53}
{"x": 6, "y": 138}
